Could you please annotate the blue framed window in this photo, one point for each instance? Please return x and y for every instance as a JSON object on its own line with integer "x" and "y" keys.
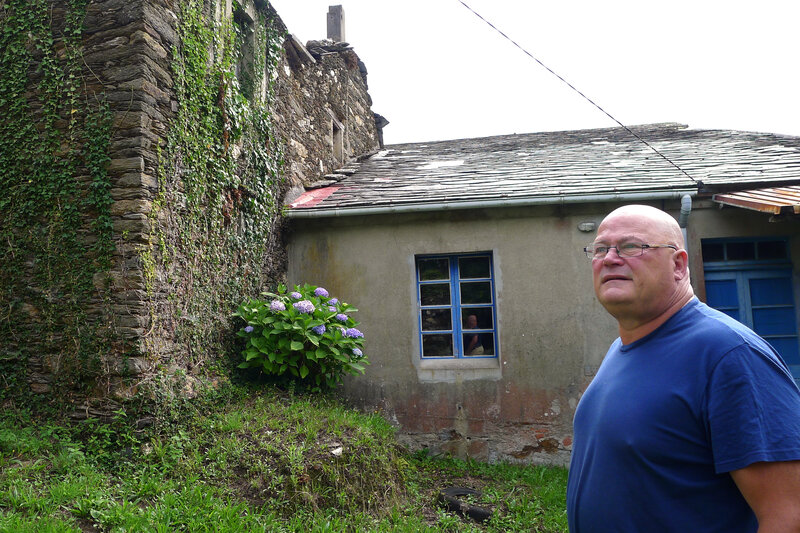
{"x": 750, "y": 280}
{"x": 455, "y": 298}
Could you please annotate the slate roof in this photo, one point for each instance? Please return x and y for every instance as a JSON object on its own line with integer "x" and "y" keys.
{"x": 554, "y": 167}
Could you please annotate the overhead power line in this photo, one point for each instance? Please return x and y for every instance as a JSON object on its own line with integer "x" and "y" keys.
{"x": 551, "y": 71}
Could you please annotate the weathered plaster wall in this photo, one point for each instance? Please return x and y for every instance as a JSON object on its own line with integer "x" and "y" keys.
{"x": 552, "y": 333}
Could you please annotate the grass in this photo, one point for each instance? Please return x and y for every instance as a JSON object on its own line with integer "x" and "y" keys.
{"x": 252, "y": 460}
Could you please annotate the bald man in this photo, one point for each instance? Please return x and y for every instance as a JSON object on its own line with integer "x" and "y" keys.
{"x": 692, "y": 423}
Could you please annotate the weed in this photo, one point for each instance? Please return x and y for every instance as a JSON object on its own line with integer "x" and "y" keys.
{"x": 254, "y": 460}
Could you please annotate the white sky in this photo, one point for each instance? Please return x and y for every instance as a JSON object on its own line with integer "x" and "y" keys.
{"x": 438, "y": 72}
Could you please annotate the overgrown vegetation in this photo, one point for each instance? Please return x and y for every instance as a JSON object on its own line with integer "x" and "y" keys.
{"x": 55, "y": 227}
{"x": 252, "y": 460}
{"x": 214, "y": 240}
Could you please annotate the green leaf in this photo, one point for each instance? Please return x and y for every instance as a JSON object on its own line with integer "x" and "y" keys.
{"x": 296, "y": 346}
{"x": 303, "y": 371}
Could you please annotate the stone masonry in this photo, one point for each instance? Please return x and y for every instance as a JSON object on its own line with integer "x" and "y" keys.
{"x": 322, "y": 118}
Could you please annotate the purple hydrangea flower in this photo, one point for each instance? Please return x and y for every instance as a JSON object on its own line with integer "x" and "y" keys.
{"x": 296, "y": 295}
{"x": 333, "y": 301}
{"x": 304, "y": 306}
{"x": 341, "y": 317}
{"x": 357, "y": 352}
{"x": 331, "y": 308}
{"x": 319, "y": 291}
{"x": 353, "y": 333}
{"x": 319, "y": 330}
{"x": 277, "y": 305}
{"x": 248, "y": 329}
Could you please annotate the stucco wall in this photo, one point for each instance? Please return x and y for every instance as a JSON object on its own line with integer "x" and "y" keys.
{"x": 552, "y": 334}
{"x": 552, "y": 331}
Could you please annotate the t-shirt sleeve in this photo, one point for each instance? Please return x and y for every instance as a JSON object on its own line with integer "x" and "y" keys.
{"x": 753, "y": 410}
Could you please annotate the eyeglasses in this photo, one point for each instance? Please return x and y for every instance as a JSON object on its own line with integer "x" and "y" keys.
{"x": 625, "y": 249}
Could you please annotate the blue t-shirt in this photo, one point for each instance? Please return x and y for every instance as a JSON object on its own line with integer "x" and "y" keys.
{"x": 668, "y": 416}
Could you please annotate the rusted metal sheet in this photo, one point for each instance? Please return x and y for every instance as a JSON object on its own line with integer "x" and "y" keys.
{"x": 777, "y": 201}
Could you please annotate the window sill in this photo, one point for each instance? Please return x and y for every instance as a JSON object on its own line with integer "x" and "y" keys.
{"x": 451, "y": 370}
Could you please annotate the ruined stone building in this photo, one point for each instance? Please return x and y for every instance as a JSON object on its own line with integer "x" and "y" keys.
{"x": 146, "y": 149}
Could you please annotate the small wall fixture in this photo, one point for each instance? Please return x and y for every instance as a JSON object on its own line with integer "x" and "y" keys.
{"x": 587, "y": 226}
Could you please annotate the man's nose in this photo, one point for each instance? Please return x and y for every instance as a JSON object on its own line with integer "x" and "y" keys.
{"x": 616, "y": 258}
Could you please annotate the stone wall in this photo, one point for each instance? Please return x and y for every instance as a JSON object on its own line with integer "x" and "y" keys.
{"x": 128, "y": 47}
{"x": 322, "y": 109}
{"x": 124, "y": 62}
{"x": 163, "y": 304}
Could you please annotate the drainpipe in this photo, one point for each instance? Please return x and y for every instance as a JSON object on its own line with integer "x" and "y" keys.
{"x": 484, "y": 204}
{"x": 683, "y": 220}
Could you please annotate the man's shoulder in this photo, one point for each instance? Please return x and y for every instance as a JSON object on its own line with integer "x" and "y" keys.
{"x": 707, "y": 326}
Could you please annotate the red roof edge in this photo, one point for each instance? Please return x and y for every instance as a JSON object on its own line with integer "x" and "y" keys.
{"x": 312, "y": 197}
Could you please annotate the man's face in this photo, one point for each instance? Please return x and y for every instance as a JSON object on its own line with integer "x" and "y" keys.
{"x": 633, "y": 287}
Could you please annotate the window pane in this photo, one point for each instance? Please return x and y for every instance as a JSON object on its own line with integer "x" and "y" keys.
{"x": 437, "y": 345}
{"x": 741, "y": 251}
{"x": 713, "y": 251}
{"x": 473, "y": 267}
{"x": 787, "y": 347}
{"x": 771, "y": 291}
{"x": 482, "y": 320}
{"x": 434, "y": 294}
{"x": 722, "y": 293}
{"x": 774, "y": 321}
{"x": 436, "y": 319}
{"x": 476, "y": 292}
{"x": 433, "y": 269}
{"x": 772, "y": 250}
{"x": 478, "y": 344}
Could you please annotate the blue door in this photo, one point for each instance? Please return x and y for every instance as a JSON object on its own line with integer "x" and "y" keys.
{"x": 763, "y": 300}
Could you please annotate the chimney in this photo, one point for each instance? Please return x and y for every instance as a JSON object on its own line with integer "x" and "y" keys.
{"x": 336, "y": 23}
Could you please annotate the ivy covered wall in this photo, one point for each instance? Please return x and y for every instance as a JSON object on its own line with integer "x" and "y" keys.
{"x": 56, "y": 228}
{"x": 142, "y": 179}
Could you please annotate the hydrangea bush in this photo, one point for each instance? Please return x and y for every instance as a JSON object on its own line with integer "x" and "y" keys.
{"x": 304, "y": 334}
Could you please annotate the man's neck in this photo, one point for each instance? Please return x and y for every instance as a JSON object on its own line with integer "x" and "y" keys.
{"x": 633, "y": 330}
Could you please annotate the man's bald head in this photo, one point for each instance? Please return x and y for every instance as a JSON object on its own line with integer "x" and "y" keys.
{"x": 660, "y": 225}
{"x": 641, "y": 291}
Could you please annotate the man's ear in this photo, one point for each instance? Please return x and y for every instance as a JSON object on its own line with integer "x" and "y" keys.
{"x": 681, "y": 261}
